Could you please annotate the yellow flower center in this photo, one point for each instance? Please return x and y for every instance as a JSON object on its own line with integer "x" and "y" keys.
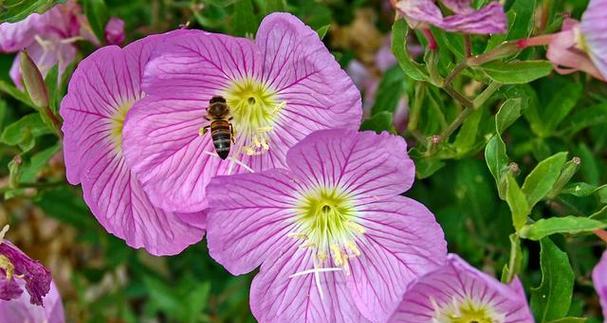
{"x": 326, "y": 222}
{"x": 255, "y": 108}
{"x": 117, "y": 124}
{"x": 467, "y": 310}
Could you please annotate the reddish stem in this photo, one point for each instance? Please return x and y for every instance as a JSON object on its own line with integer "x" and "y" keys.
{"x": 601, "y": 234}
{"x": 432, "y": 45}
{"x": 541, "y": 40}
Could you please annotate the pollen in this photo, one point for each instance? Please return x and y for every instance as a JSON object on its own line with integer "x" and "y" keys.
{"x": 466, "y": 310}
{"x": 255, "y": 108}
{"x": 117, "y": 124}
{"x": 326, "y": 222}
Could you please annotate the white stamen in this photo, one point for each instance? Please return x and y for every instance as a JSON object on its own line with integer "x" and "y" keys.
{"x": 3, "y": 232}
{"x": 315, "y": 270}
{"x": 233, "y": 161}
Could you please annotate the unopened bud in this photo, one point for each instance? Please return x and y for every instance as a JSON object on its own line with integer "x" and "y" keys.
{"x": 514, "y": 169}
{"x": 33, "y": 81}
{"x": 569, "y": 170}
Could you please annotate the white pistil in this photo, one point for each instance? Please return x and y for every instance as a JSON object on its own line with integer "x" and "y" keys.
{"x": 233, "y": 161}
{"x": 316, "y": 271}
{"x": 3, "y": 232}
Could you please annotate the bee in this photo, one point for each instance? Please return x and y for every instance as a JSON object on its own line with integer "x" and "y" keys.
{"x": 222, "y": 132}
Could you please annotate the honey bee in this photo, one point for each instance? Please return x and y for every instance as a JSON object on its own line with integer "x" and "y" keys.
{"x": 222, "y": 132}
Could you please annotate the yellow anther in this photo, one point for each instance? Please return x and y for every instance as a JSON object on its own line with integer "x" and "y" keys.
{"x": 356, "y": 227}
{"x": 337, "y": 255}
{"x": 8, "y": 266}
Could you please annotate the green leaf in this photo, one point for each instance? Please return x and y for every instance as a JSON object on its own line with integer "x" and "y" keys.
{"x": 97, "y": 14}
{"x": 31, "y": 169}
{"x": 24, "y": 131}
{"x": 561, "y": 102}
{"x": 391, "y": 88}
{"x": 508, "y": 113}
{"x": 16, "y": 93}
{"x": 15, "y": 10}
{"x": 570, "y": 320}
{"x": 467, "y": 135}
{"x": 322, "y": 31}
{"x": 552, "y": 298}
{"x": 497, "y": 160}
{"x": 515, "y": 261}
{"x": 413, "y": 69}
{"x": 516, "y": 72}
{"x": 379, "y": 122}
{"x": 567, "y": 224}
{"x": 583, "y": 118}
{"x": 275, "y": 6}
{"x": 543, "y": 177}
{"x": 516, "y": 202}
{"x": 582, "y": 189}
{"x": 520, "y": 22}
{"x": 244, "y": 20}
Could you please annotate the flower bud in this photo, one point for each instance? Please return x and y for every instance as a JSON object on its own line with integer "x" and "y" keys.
{"x": 33, "y": 81}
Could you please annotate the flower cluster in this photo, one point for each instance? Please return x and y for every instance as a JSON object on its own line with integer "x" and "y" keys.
{"x": 302, "y": 194}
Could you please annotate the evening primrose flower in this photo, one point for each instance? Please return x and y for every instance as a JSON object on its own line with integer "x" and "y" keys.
{"x": 580, "y": 45}
{"x": 457, "y": 292}
{"x": 20, "y": 310}
{"x": 599, "y": 278}
{"x": 490, "y": 19}
{"x": 49, "y": 38}
{"x": 102, "y": 90}
{"x": 17, "y": 271}
{"x": 280, "y": 87}
{"x": 335, "y": 240}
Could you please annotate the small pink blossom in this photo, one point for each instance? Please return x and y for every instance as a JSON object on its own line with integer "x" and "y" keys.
{"x": 114, "y": 31}
{"x": 335, "y": 239}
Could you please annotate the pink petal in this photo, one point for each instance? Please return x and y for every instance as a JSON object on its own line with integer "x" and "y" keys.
{"x": 367, "y": 165}
{"x": 599, "y": 279}
{"x": 102, "y": 83}
{"x": 490, "y": 19}
{"x": 173, "y": 161}
{"x": 458, "y": 6}
{"x": 277, "y": 297}
{"x": 114, "y": 31}
{"x": 594, "y": 29}
{"x": 18, "y": 35}
{"x": 566, "y": 57}
{"x": 456, "y": 281}
{"x": 21, "y": 310}
{"x": 418, "y": 12}
{"x": 251, "y": 217}
{"x": 402, "y": 241}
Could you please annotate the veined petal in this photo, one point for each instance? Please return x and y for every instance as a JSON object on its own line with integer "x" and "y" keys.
{"x": 37, "y": 278}
{"x": 278, "y": 296}
{"x": 599, "y": 279}
{"x": 402, "y": 241}
{"x": 491, "y": 19}
{"x": 366, "y": 165}
{"x": 250, "y": 218}
{"x": 103, "y": 88}
{"x": 458, "y": 6}
{"x": 163, "y": 145}
{"x": 564, "y": 54}
{"x": 594, "y": 29}
{"x": 21, "y": 310}
{"x": 420, "y": 11}
{"x": 18, "y": 35}
{"x": 459, "y": 290}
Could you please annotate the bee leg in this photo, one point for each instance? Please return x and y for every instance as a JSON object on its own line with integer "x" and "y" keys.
{"x": 204, "y": 130}
{"x": 232, "y": 133}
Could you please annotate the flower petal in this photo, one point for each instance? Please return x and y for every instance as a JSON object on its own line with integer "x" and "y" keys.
{"x": 278, "y": 297}
{"x": 458, "y": 6}
{"x": 458, "y": 280}
{"x": 420, "y": 11}
{"x": 163, "y": 145}
{"x": 37, "y": 278}
{"x": 367, "y": 165}
{"x": 18, "y": 35}
{"x": 197, "y": 65}
{"x": 250, "y": 216}
{"x": 21, "y": 310}
{"x": 491, "y": 19}
{"x": 566, "y": 57}
{"x": 100, "y": 92}
{"x": 402, "y": 241}
{"x": 599, "y": 278}
{"x": 594, "y": 28}
{"x": 296, "y": 63}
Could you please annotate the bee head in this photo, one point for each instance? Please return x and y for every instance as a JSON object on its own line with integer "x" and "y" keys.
{"x": 216, "y": 99}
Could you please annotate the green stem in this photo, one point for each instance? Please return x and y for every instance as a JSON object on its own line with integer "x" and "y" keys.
{"x": 32, "y": 185}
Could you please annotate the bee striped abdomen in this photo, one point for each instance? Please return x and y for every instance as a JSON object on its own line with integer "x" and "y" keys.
{"x": 222, "y": 137}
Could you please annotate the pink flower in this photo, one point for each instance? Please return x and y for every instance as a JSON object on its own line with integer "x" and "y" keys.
{"x": 280, "y": 87}
{"x": 102, "y": 90}
{"x": 114, "y": 31}
{"x": 490, "y": 19}
{"x": 582, "y": 46}
{"x": 599, "y": 278}
{"x": 457, "y": 292}
{"x": 17, "y": 270}
{"x": 20, "y": 310}
{"x": 49, "y": 38}
{"x": 335, "y": 240}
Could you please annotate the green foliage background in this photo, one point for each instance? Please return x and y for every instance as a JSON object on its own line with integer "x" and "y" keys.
{"x": 510, "y": 157}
